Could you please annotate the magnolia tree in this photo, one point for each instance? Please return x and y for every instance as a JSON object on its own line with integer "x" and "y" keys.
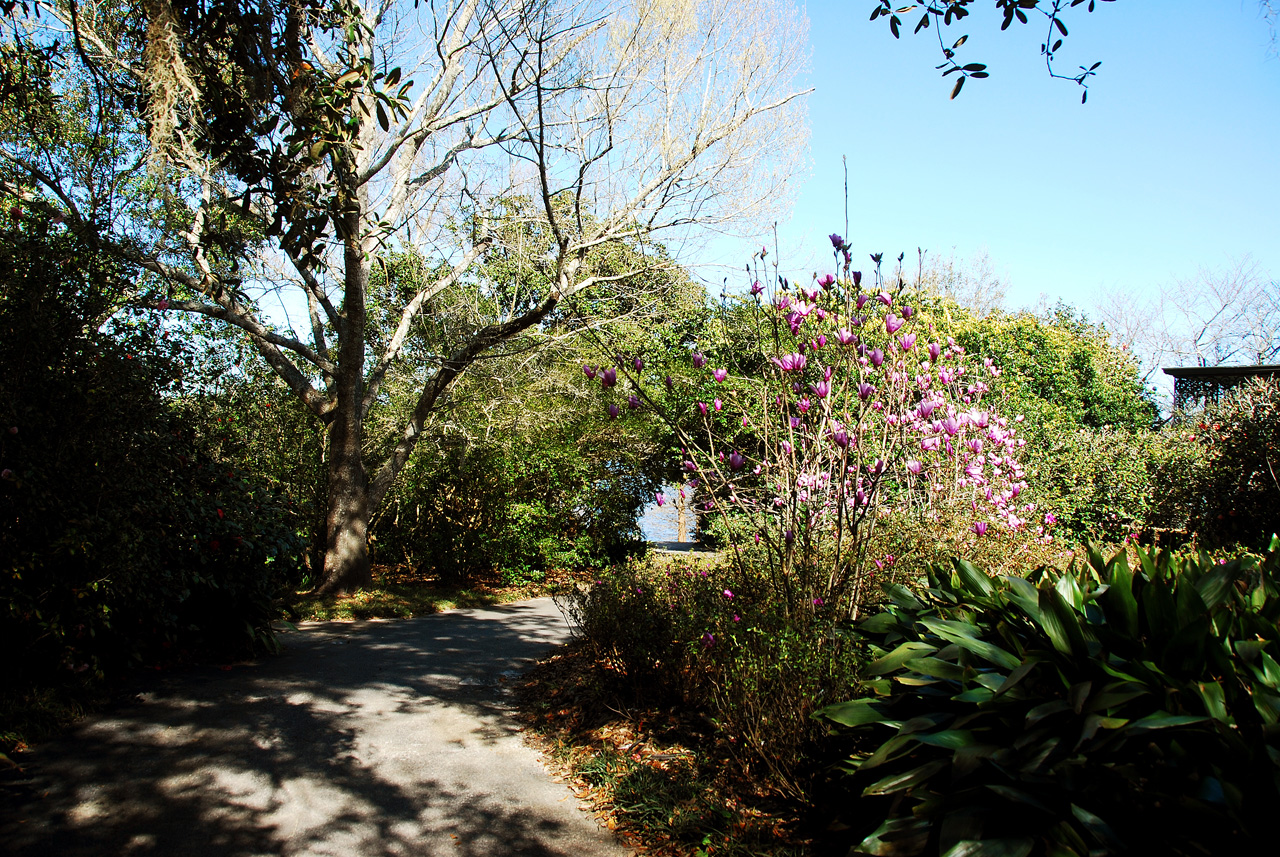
{"x": 854, "y": 412}
{"x": 298, "y": 148}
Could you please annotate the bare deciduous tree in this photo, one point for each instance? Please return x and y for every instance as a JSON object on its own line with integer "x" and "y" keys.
{"x": 973, "y": 284}
{"x": 1215, "y": 318}
{"x": 333, "y": 134}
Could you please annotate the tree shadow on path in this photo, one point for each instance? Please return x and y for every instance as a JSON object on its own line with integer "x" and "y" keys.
{"x": 373, "y": 738}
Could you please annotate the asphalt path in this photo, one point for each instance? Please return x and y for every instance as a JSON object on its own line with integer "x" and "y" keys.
{"x": 370, "y": 738}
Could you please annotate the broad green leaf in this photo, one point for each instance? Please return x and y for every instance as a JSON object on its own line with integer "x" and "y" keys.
{"x": 1022, "y": 593}
{"x": 1061, "y": 623}
{"x": 975, "y": 581}
{"x": 1046, "y": 709}
{"x": 903, "y": 597}
{"x": 1165, "y": 720}
{"x": 923, "y": 723}
{"x": 1070, "y": 591}
{"x": 950, "y": 739}
{"x": 857, "y": 712}
{"x": 1117, "y": 693}
{"x": 1017, "y": 675}
{"x": 1095, "y": 559}
{"x": 1017, "y": 796}
{"x": 1161, "y": 612}
{"x": 905, "y": 780}
{"x": 936, "y": 667}
{"x": 899, "y": 656}
{"x": 1190, "y": 605}
{"x": 1148, "y": 563}
{"x": 1210, "y": 693}
{"x": 966, "y": 640}
{"x": 1270, "y": 673}
{"x": 977, "y": 695}
{"x": 990, "y": 680}
{"x": 1079, "y": 694}
{"x": 897, "y": 836}
{"x": 1096, "y": 826}
{"x": 991, "y": 848}
{"x": 1118, "y": 600}
{"x": 1213, "y": 587}
{"x": 881, "y": 623}
{"x": 1249, "y": 650}
{"x": 896, "y": 746}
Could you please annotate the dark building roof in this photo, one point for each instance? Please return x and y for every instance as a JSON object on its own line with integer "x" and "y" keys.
{"x": 1221, "y": 371}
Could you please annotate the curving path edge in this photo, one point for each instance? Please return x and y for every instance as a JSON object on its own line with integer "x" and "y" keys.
{"x": 370, "y": 738}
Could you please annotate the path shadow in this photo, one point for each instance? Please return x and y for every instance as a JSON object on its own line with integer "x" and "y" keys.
{"x": 372, "y": 738}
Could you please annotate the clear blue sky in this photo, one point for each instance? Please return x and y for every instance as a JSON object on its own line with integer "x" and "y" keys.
{"x": 1171, "y": 166}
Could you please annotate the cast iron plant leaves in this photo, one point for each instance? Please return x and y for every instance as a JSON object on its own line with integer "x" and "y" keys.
{"x": 1100, "y": 710}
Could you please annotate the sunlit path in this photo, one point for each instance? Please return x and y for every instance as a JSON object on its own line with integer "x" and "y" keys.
{"x": 373, "y": 738}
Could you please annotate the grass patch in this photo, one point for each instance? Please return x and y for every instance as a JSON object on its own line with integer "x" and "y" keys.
{"x": 401, "y": 593}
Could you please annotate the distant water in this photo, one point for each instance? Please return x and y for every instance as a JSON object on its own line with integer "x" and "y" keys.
{"x": 661, "y": 523}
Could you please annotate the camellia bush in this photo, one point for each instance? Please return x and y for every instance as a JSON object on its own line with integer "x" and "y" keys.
{"x": 123, "y": 541}
{"x": 1225, "y": 488}
{"x": 835, "y": 408}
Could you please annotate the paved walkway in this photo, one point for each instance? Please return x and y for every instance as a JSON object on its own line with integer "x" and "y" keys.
{"x": 375, "y": 738}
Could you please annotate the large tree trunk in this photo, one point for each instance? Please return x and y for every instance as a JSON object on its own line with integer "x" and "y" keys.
{"x": 346, "y": 550}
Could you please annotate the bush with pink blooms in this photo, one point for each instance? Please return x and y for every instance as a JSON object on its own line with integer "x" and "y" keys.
{"x": 841, "y": 409}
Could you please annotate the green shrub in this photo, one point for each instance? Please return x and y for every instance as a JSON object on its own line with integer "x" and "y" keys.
{"x": 121, "y": 540}
{"x": 705, "y": 638}
{"x": 1077, "y": 712}
{"x": 1225, "y": 486}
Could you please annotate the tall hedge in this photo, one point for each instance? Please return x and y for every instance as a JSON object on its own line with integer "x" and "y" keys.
{"x": 121, "y": 540}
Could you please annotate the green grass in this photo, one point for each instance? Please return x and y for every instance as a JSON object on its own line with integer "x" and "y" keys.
{"x": 399, "y": 601}
{"x": 400, "y": 593}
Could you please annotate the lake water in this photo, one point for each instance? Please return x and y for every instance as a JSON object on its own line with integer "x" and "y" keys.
{"x": 662, "y": 523}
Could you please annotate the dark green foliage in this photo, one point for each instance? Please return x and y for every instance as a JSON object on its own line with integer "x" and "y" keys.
{"x": 121, "y": 539}
{"x": 1081, "y": 712}
{"x": 1229, "y": 492}
{"x": 518, "y": 505}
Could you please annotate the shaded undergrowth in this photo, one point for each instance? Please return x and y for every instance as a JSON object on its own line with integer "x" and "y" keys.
{"x": 656, "y": 774}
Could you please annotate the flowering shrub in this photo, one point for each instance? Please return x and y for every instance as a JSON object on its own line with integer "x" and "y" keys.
{"x": 843, "y": 408}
